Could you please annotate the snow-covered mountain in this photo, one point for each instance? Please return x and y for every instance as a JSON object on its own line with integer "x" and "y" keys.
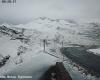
{"x": 70, "y": 30}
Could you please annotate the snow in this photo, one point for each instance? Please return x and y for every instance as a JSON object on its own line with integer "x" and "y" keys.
{"x": 34, "y": 67}
{"x": 8, "y": 46}
{"x": 95, "y": 51}
{"x": 72, "y": 32}
{"x": 33, "y": 61}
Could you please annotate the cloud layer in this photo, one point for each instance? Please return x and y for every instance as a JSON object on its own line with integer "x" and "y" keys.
{"x": 25, "y": 10}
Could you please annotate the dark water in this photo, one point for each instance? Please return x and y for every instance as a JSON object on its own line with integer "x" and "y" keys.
{"x": 79, "y": 55}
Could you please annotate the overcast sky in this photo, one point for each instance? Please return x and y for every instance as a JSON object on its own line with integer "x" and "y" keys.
{"x": 25, "y": 10}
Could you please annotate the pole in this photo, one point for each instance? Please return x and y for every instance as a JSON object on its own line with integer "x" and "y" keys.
{"x": 44, "y": 41}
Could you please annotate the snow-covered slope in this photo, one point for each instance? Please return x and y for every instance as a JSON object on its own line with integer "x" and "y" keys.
{"x": 32, "y": 61}
{"x": 71, "y": 31}
{"x": 54, "y": 31}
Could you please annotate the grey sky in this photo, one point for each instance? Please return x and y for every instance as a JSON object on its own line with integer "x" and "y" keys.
{"x": 26, "y": 10}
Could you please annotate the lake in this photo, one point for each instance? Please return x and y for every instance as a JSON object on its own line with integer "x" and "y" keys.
{"x": 79, "y": 55}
